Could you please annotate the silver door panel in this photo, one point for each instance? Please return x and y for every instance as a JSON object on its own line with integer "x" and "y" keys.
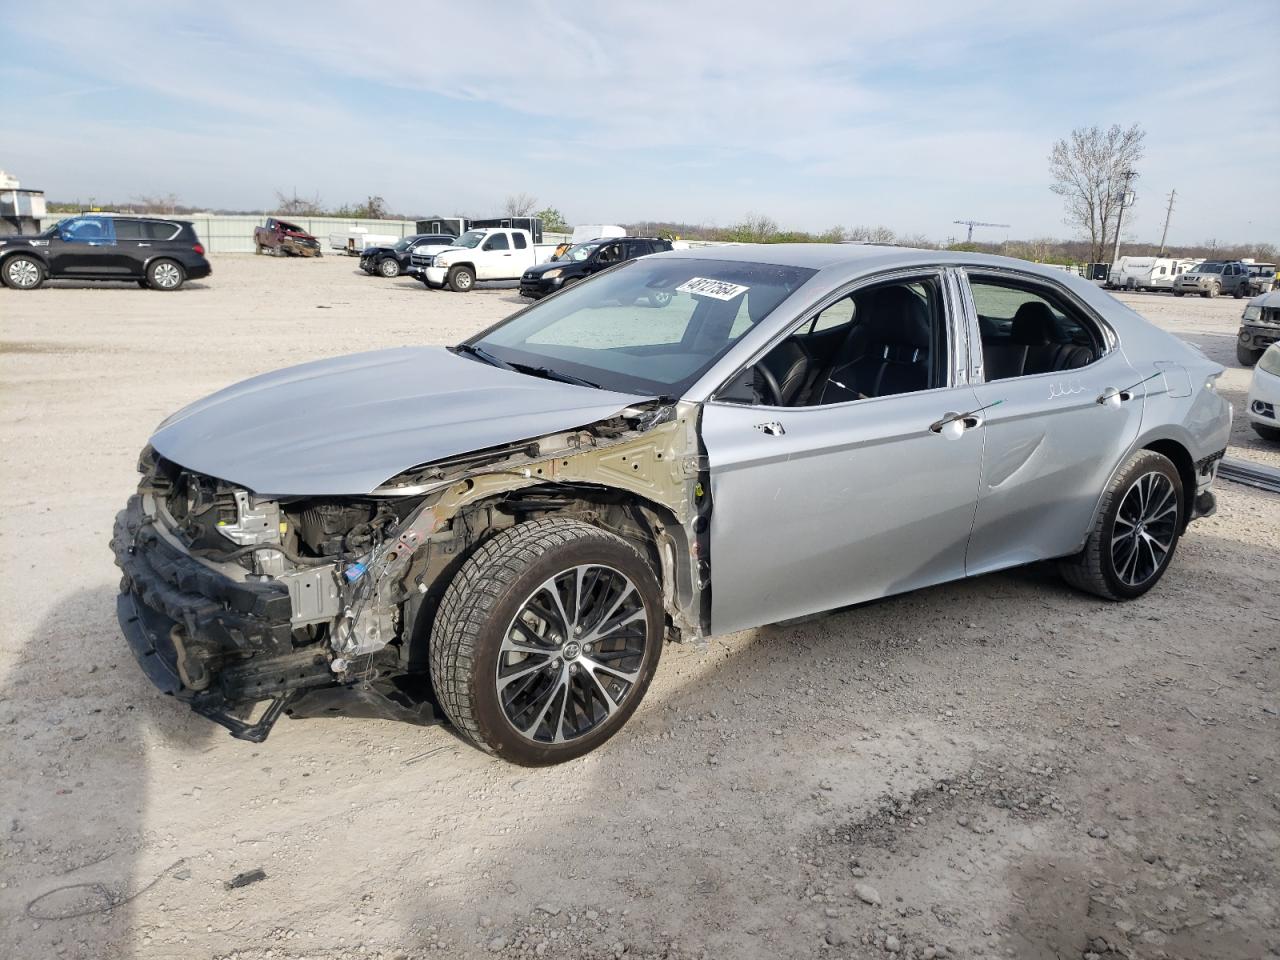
{"x": 848, "y": 503}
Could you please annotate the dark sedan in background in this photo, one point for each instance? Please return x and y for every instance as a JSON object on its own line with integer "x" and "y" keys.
{"x": 584, "y": 259}
{"x": 393, "y": 261}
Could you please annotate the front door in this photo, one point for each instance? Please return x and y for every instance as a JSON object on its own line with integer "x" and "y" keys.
{"x": 86, "y": 247}
{"x": 849, "y": 488}
{"x": 494, "y": 262}
{"x": 1051, "y": 447}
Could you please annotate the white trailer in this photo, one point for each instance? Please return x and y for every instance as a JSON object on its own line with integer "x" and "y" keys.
{"x": 1148, "y": 273}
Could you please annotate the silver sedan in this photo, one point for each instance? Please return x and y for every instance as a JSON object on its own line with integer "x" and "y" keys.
{"x": 502, "y": 535}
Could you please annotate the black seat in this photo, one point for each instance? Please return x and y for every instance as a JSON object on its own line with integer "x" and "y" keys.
{"x": 1036, "y": 329}
{"x": 893, "y": 355}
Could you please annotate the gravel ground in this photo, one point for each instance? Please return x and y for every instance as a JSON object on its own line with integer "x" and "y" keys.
{"x": 1000, "y": 767}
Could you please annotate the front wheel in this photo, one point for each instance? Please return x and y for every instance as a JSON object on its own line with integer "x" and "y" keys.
{"x": 546, "y": 641}
{"x": 1136, "y": 531}
{"x": 389, "y": 268}
{"x": 1177, "y": 293}
{"x": 1247, "y": 357}
{"x": 165, "y": 275}
{"x": 22, "y": 272}
{"x": 461, "y": 280}
{"x": 1214, "y": 290}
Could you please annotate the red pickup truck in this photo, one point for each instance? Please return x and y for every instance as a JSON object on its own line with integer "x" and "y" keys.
{"x": 283, "y": 239}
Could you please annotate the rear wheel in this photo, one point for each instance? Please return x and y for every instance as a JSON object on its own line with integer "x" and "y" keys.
{"x": 22, "y": 272}
{"x": 1136, "y": 532}
{"x": 165, "y": 275}
{"x": 461, "y": 279}
{"x": 546, "y": 641}
{"x": 1247, "y": 356}
{"x": 1177, "y": 293}
{"x": 389, "y": 268}
{"x": 1239, "y": 291}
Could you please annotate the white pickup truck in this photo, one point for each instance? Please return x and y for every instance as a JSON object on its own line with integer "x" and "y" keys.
{"x": 496, "y": 253}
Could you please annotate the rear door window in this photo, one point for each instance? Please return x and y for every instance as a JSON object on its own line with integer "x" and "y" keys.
{"x": 129, "y": 230}
{"x": 519, "y": 240}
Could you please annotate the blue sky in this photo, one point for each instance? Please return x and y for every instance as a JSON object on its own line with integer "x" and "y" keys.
{"x": 908, "y": 114}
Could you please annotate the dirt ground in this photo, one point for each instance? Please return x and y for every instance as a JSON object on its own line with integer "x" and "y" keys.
{"x": 1000, "y": 767}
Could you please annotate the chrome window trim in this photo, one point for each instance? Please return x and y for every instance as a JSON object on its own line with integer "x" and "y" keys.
{"x": 1110, "y": 341}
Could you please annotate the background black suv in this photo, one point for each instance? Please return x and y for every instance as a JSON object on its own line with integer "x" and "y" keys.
{"x": 393, "y": 261}
{"x": 584, "y": 259}
{"x": 160, "y": 254}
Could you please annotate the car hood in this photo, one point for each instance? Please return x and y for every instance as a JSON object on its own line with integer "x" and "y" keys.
{"x": 539, "y": 269}
{"x": 373, "y": 251}
{"x": 1269, "y": 300}
{"x": 344, "y": 426}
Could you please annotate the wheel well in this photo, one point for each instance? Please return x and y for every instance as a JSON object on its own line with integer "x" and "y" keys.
{"x": 636, "y": 519}
{"x": 1186, "y": 467}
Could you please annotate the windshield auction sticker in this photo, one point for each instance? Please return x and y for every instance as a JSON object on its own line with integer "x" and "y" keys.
{"x": 717, "y": 289}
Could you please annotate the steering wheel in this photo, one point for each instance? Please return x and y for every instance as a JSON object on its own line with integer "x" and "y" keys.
{"x": 771, "y": 384}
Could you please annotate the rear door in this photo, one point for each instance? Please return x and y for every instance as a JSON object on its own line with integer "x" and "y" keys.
{"x": 1050, "y": 446}
{"x": 140, "y": 240}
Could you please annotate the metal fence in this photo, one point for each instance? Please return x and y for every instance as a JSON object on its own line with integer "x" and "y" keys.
{"x": 222, "y": 234}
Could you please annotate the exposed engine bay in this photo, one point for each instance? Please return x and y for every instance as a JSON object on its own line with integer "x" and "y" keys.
{"x": 321, "y": 605}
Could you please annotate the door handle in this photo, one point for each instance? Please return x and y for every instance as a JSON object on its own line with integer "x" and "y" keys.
{"x": 773, "y": 428}
{"x": 144, "y": 244}
{"x": 953, "y": 425}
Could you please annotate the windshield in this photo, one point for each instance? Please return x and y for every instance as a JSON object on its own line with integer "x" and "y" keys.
{"x": 1210, "y": 268}
{"x": 651, "y": 326}
{"x": 51, "y": 230}
{"x": 580, "y": 252}
{"x": 469, "y": 239}
{"x": 402, "y": 245}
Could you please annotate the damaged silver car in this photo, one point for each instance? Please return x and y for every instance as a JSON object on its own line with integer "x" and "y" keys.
{"x": 503, "y": 534}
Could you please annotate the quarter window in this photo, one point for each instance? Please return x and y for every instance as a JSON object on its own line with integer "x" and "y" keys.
{"x": 159, "y": 229}
{"x": 1028, "y": 330}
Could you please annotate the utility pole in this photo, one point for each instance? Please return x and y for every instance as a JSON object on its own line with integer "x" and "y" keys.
{"x": 1167, "y": 215}
{"x": 1124, "y": 198}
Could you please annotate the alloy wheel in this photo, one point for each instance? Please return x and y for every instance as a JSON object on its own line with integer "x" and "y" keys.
{"x": 572, "y": 653}
{"x": 166, "y": 275}
{"x": 23, "y": 273}
{"x": 1145, "y": 528}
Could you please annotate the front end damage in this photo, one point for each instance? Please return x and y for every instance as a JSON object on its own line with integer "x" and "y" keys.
{"x": 249, "y": 608}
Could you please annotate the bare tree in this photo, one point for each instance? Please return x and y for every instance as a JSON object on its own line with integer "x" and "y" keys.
{"x": 754, "y": 228}
{"x": 519, "y": 204}
{"x": 296, "y": 205}
{"x": 1091, "y": 171}
{"x": 160, "y": 203}
{"x": 878, "y": 234}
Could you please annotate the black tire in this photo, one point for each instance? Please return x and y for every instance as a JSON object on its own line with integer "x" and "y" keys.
{"x": 461, "y": 279}
{"x": 1094, "y": 569}
{"x": 1178, "y": 293}
{"x": 23, "y": 272}
{"x": 1246, "y": 356}
{"x": 1267, "y": 433}
{"x": 389, "y": 268}
{"x": 1239, "y": 292}
{"x": 166, "y": 275}
{"x": 142, "y": 284}
{"x": 479, "y": 609}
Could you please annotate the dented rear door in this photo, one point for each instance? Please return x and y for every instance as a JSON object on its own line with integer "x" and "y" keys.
{"x": 1050, "y": 450}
